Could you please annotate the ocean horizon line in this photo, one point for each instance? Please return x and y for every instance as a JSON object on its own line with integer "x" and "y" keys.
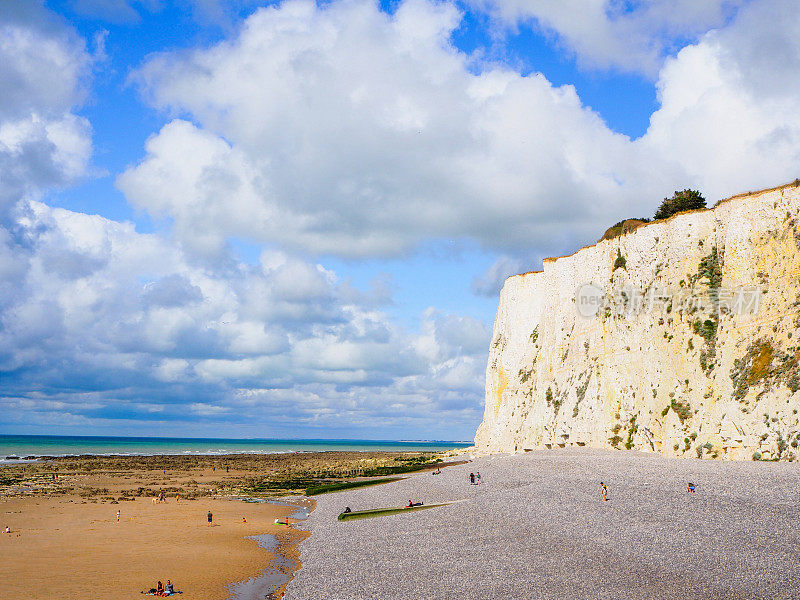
{"x": 242, "y": 439}
{"x": 19, "y": 446}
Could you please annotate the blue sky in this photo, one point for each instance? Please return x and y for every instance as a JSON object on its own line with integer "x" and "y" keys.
{"x": 293, "y": 219}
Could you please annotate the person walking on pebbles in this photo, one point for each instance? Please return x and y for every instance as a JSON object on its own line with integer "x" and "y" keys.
{"x": 477, "y": 477}
{"x": 605, "y": 491}
{"x": 472, "y": 478}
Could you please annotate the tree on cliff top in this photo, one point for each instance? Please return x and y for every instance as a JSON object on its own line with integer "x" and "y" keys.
{"x": 680, "y": 201}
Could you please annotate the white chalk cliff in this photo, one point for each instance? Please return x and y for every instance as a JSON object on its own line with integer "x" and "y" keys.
{"x": 698, "y": 354}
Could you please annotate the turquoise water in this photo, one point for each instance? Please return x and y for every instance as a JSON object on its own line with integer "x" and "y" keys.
{"x": 56, "y": 445}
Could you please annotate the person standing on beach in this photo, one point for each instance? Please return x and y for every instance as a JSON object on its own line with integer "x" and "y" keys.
{"x": 210, "y": 518}
{"x": 117, "y": 516}
{"x": 605, "y": 491}
{"x": 472, "y": 478}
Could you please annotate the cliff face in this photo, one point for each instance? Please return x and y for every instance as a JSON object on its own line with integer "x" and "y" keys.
{"x": 694, "y": 351}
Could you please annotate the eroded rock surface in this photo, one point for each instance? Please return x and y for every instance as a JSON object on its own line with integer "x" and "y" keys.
{"x": 698, "y": 354}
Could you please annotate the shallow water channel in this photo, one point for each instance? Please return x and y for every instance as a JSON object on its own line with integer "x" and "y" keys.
{"x": 279, "y": 571}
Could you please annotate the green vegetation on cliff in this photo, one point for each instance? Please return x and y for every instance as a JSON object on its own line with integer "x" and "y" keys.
{"x": 680, "y": 201}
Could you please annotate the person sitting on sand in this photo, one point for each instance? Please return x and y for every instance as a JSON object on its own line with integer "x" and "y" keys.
{"x": 690, "y": 488}
{"x": 168, "y": 589}
{"x": 160, "y": 589}
{"x": 7, "y": 530}
{"x": 244, "y": 520}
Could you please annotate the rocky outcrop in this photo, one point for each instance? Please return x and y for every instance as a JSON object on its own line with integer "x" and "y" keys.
{"x": 680, "y": 337}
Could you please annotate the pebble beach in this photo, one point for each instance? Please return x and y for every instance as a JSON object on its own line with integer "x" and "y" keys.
{"x": 536, "y": 527}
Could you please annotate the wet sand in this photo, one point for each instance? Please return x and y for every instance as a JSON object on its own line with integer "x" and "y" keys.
{"x": 62, "y": 548}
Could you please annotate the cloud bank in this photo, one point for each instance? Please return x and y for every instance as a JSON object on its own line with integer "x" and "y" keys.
{"x": 110, "y": 323}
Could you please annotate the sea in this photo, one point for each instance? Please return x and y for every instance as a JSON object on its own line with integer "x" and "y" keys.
{"x": 16, "y": 447}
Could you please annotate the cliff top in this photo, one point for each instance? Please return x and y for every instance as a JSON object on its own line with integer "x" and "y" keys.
{"x": 641, "y": 225}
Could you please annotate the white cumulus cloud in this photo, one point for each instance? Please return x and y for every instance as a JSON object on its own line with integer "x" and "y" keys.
{"x": 43, "y": 68}
{"x": 730, "y": 107}
{"x": 340, "y": 129}
{"x": 629, "y": 36}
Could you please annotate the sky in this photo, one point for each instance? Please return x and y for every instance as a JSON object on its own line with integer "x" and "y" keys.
{"x": 293, "y": 219}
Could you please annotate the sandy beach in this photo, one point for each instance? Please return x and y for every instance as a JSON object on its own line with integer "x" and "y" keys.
{"x": 66, "y": 541}
{"x": 537, "y": 528}
{"x": 62, "y": 548}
